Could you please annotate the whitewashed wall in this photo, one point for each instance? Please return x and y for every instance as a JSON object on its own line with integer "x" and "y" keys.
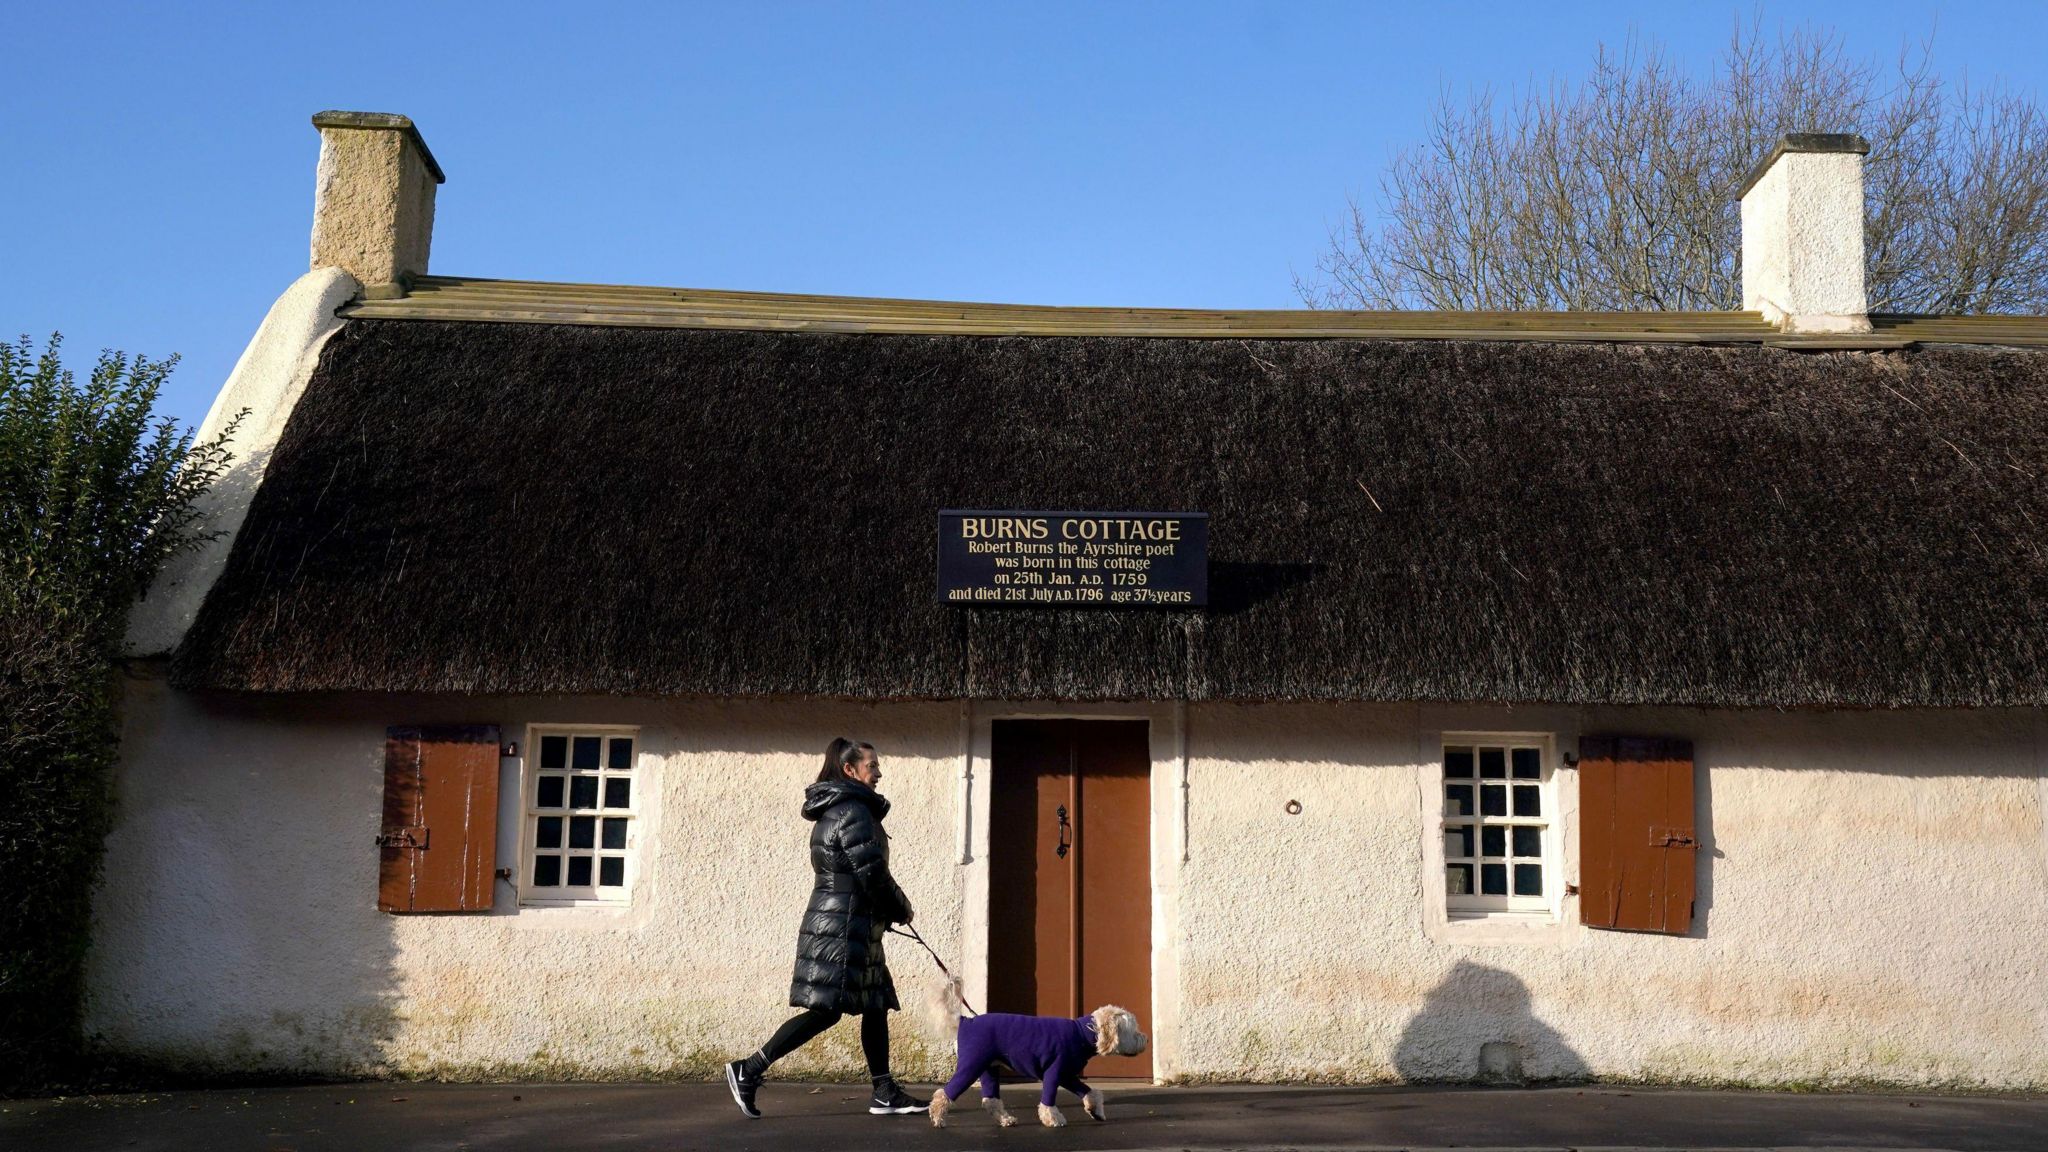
{"x": 1873, "y": 908}
{"x": 1871, "y": 905}
{"x": 237, "y": 925}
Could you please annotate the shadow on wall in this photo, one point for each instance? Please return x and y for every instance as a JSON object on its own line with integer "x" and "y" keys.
{"x": 1708, "y": 851}
{"x": 1476, "y": 1025}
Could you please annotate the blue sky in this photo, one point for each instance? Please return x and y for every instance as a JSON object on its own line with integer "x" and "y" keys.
{"x": 156, "y": 161}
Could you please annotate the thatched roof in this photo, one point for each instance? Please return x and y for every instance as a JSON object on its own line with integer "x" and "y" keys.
{"x": 508, "y": 507}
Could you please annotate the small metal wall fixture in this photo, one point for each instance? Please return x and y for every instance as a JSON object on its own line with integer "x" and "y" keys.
{"x": 1294, "y": 807}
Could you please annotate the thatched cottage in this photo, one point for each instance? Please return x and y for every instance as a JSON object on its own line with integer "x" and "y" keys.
{"x": 1649, "y": 696}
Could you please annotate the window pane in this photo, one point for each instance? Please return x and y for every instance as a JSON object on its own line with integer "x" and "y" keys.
{"x": 615, "y": 832}
{"x": 1493, "y": 800}
{"x": 1528, "y": 764}
{"x": 1458, "y": 762}
{"x": 1528, "y": 879}
{"x": 1528, "y": 841}
{"x": 620, "y": 757}
{"x": 582, "y": 791}
{"x": 611, "y": 872}
{"x": 549, "y": 794}
{"x": 1493, "y": 878}
{"x": 582, "y": 831}
{"x": 618, "y": 792}
{"x": 1493, "y": 763}
{"x": 547, "y": 871}
{"x": 1458, "y": 840}
{"x": 1458, "y": 800}
{"x": 1528, "y": 800}
{"x": 1493, "y": 841}
{"x": 549, "y": 835}
{"x": 586, "y": 753}
{"x": 1458, "y": 879}
{"x": 579, "y": 871}
{"x": 554, "y": 751}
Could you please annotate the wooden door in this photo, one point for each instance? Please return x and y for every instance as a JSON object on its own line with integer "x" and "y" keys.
{"x": 1070, "y": 876}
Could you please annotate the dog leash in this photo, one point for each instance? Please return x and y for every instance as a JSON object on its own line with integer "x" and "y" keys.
{"x": 907, "y": 930}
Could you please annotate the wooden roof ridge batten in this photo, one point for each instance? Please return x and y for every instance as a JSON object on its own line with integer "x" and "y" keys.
{"x": 635, "y": 306}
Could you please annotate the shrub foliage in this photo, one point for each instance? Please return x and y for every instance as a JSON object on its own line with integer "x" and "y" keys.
{"x": 95, "y": 494}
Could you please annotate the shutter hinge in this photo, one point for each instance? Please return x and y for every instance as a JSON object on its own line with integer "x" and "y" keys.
{"x": 409, "y": 837}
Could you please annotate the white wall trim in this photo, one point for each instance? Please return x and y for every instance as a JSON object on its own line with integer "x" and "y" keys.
{"x": 2041, "y": 762}
{"x": 1168, "y": 751}
{"x": 965, "y": 792}
{"x": 1183, "y": 797}
{"x": 267, "y": 381}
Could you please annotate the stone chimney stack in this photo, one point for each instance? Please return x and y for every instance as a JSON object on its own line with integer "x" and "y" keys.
{"x": 1802, "y": 234}
{"x": 373, "y": 207}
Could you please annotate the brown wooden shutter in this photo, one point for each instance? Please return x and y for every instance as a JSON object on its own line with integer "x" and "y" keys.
{"x": 438, "y": 851}
{"x": 1636, "y": 845}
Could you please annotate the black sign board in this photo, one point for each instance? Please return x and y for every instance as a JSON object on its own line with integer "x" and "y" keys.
{"x": 1074, "y": 559}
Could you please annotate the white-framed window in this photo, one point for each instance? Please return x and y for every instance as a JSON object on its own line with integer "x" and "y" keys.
{"x": 579, "y": 840}
{"x": 1499, "y": 823}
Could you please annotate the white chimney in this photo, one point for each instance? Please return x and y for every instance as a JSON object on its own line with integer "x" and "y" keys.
{"x": 1802, "y": 234}
{"x": 373, "y": 207}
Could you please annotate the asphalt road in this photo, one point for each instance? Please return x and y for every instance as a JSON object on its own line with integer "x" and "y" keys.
{"x": 396, "y": 1117}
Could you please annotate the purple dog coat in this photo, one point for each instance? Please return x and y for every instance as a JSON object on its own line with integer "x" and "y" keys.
{"x": 1052, "y": 1049}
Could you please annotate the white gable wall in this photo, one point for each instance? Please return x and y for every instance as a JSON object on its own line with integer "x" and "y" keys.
{"x": 257, "y": 403}
{"x": 1870, "y": 903}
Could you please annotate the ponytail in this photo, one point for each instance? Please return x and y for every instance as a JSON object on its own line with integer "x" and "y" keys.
{"x": 840, "y": 753}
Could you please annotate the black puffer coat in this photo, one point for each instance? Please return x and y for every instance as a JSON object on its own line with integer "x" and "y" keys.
{"x": 839, "y": 960}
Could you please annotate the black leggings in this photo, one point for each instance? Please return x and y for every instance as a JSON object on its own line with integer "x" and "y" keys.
{"x": 799, "y": 1029}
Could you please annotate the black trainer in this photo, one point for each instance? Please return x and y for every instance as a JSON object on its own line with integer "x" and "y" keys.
{"x": 891, "y": 1100}
{"x": 743, "y": 1087}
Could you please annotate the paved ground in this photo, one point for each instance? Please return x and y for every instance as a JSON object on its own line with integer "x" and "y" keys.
{"x": 385, "y": 1117}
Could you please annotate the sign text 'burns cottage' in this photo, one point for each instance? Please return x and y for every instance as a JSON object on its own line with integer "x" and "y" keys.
{"x": 1074, "y": 559}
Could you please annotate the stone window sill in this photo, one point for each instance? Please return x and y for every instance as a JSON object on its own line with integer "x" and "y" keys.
{"x": 1526, "y": 929}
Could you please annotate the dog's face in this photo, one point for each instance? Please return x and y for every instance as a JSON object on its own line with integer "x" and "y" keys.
{"x": 1116, "y": 1032}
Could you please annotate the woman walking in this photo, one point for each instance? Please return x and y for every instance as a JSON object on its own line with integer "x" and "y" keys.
{"x": 840, "y": 968}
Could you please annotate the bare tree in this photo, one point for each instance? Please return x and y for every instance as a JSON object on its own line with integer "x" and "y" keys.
{"x": 1619, "y": 193}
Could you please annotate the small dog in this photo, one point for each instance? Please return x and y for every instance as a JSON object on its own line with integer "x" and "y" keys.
{"x": 1052, "y": 1048}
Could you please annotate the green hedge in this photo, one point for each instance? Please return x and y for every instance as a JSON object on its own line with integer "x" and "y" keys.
{"x": 95, "y": 494}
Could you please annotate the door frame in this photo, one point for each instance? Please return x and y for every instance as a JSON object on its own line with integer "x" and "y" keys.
{"x": 1167, "y": 738}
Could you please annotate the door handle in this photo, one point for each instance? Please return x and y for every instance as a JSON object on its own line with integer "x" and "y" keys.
{"x": 1066, "y": 834}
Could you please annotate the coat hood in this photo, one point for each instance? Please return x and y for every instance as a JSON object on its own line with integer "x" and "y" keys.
{"x": 826, "y": 794}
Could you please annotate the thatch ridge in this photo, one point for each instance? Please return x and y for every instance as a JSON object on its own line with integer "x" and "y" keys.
{"x": 468, "y": 298}
{"x": 549, "y": 508}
